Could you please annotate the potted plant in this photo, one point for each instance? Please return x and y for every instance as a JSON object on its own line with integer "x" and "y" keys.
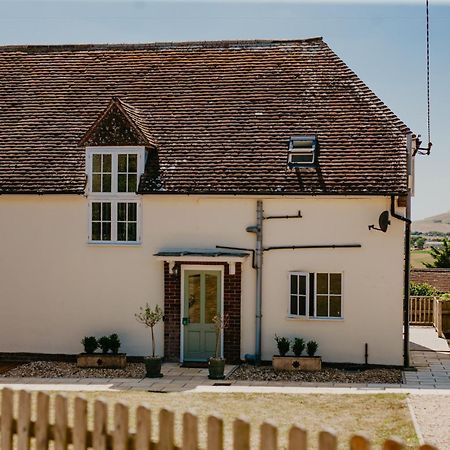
{"x": 150, "y": 317}
{"x": 296, "y": 362}
{"x": 103, "y": 343}
{"x": 90, "y": 344}
{"x": 216, "y": 364}
{"x": 105, "y": 360}
{"x": 114, "y": 343}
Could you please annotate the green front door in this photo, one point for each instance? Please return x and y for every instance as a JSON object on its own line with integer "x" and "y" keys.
{"x": 202, "y": 293}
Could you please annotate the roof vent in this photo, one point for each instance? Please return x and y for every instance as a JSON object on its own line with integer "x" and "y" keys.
{"x": 302, "y": 151}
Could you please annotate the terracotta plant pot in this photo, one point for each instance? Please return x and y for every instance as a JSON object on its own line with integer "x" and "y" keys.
{"x": 153, "y": 367}
{"x": 216, "y": 367}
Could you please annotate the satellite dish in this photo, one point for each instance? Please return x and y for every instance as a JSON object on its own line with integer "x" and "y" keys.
{"x": 383, "y": 222}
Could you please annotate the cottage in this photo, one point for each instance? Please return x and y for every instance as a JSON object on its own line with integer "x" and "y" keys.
{"x": 239, "y": 177}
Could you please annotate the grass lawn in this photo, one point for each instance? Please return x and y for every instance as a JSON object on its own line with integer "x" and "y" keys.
{"x": 379, "y": 416}
{"x": 420, "y": 256}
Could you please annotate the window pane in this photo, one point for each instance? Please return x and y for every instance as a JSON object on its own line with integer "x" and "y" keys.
{"x": 210, "y": 297}
{"x": 96, "y": 163}
{"x": 106, "y": 211}
{"x": 96, "y": 231}
{"x": 132, "y": 183}
{"x": 335, "y": 306}
{"x": 106, "y": 184}
{"x": 132, "y": 212}
{"x": 335, "y": 283}
{"x": 322, "y": 306}
{"x": 294, "y": 308}
{"x": 294, "y": 284}
{"x": 106, "y": 231}
{"x": 302, "y": 305}
{"x": 122, "y": 183}
{"x": 122, "y": 212}
{"x": 322, "y": 283}
{"x": 194, "y": 298}
{"x": 96, "y": 183}
{"x": 122, "y": 163}
{"x": 96, "y": 211}
{"x": 132, "y": 232}
{"x": 302, "y": 158}
{"x": 121, "y": 231}
{"x": 302, "y": 284}
{"x": 106, "y": 163}
{"x": 132, "y": 163}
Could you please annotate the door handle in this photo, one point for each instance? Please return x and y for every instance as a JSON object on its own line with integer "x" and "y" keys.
{"x": 185, "y": 321}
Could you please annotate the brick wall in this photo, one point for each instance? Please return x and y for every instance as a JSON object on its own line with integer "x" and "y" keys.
{"x": 172, "y": 311}
{"x": 439, "y": 278}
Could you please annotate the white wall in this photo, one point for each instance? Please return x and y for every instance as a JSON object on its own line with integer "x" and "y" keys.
{"x": 55, "y": 288}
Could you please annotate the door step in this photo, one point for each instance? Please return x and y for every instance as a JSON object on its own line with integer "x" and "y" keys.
{"x": 195, "y": 364}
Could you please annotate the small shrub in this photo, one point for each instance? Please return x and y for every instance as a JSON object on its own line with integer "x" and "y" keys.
{"x": 298, "y": 346}
{"x": 283, "y": 345}
{"x": 311, "y": 348}
{"x": 90, "y": 344}
{"x": 422, "y": 289}
{"x": 445, "y": 297}
{"x": 114, "y": 343}
{"x": 104, "y": 344}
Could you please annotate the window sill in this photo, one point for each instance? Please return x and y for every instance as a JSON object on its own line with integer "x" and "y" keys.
{"x": 113, "y": 244}
{"x": 315, "y": 319}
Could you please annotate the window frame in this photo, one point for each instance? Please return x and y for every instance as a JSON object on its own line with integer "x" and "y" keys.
{"x": 305, "y": 151}
{"x": 115, "y": 197}
{"x": 314, "y": 293}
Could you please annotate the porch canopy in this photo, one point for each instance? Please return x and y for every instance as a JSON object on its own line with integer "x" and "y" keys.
{"x": 172, "y": 255}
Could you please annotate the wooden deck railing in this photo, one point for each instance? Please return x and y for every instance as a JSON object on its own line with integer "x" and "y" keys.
{"x": 426, "y": 311}
{"x": 22, "y": 433}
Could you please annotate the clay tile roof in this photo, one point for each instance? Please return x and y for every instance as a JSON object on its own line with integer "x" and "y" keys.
{"x": 219, "y": 113}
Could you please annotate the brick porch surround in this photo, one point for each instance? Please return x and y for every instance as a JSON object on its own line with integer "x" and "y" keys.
{"x": 172, "y": 310}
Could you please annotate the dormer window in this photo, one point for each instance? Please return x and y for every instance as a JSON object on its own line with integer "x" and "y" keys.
{"x": 302, "y": 151}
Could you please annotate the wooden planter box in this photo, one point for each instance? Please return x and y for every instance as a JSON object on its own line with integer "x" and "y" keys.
{"x": 102, "y": 361}
{"x": 306, "y": 363}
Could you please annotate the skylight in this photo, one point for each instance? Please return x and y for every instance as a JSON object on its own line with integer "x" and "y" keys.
{"x": 302, "y": 151}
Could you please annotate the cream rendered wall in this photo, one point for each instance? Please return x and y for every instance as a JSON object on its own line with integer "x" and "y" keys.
{"x": 56, "y": 288}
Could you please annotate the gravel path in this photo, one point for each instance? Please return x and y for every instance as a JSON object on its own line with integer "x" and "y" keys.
{"x": 326, "y": 375}
{"x": 433, "y": 418}
{"x": 51, "y": 369}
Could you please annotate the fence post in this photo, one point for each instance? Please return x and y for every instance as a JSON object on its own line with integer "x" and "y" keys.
{"x": 393, "y": 444}
{"x": 24, "y": 421}
{"x": 42, "y": 421}
{"x": 241, "y": 434}
{"x": 215, "y": 433}
{"x": 297, "y": 439}
{"x": 60, "y": 423}
{"x": 166, "y": 431}
{"x": 190, "y": 432}
{"x": 327, "y": 440}
{"x": 268, "y": 437}
{"x": 100, "y": 434}
{"x": 143, "y": 428}
{"x": 120, "y": 439}
{"x": 359, "y": 442}
{"x": 6, "y": 428}
{"x": 79, "y": 435}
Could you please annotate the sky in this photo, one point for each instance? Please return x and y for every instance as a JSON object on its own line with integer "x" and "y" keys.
{"x": 382, "y": 41}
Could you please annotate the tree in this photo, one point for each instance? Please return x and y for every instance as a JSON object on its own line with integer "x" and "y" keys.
{"x": 420, "y": 242}
{"x": 441, "y": 256}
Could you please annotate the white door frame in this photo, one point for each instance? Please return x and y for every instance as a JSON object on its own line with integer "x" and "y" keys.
{"x": 217, "y": 268}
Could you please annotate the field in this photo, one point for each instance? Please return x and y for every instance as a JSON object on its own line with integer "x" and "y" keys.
{"x": 418, "y": 257}
{"x": 379, "y": 416}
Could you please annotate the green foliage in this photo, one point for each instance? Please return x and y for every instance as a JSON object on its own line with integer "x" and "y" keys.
{"x": 90, "y": 344}
{"x": 440, "y": 255}
{"x": 420, "y": 242}
{"x": 298, "y": 346}
{"x": 445, "y": 297}
{"x": 104, "y": 344}
{"x": 114, "y": 343}
{"x": 311, "y": 348}
{"x": 150, "y": 317}
{"x": 283, "y": 345}
{"x": 422, "y": 289}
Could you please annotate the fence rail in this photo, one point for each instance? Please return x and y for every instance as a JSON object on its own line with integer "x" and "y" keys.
{"x": 426, "y": 311}
{"x": 22, "y": 433}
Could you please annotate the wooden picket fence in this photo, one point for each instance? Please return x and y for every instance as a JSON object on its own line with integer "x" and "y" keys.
{"x": 426, "y": 311}
{"x": 20, "y": 432}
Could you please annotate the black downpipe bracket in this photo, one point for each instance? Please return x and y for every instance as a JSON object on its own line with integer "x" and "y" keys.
{"x": 405, "y": 281}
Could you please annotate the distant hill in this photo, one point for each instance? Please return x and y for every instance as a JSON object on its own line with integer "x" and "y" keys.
{"x": 441, "y": 223}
